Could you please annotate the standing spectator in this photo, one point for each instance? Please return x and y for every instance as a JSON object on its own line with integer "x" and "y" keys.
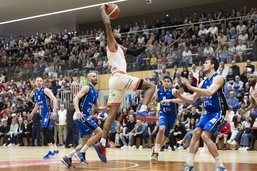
{"x": 36, "y": 129}
{"x": 62, "y": 124}
{"x": 72, "y": 136}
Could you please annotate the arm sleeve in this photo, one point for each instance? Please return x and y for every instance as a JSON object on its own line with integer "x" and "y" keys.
{"x": 135, "y": 52}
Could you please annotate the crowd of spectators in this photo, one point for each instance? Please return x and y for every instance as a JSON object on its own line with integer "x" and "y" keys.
{"x": 179, "y": 42}
{"x": 55, "y": 55}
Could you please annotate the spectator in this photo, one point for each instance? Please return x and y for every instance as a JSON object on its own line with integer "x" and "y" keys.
{"x": 224, "y": 133}
{"x": 128, "y": 133}
{"x": 233, "y": 102}
{"x": 62, "y": 124}
{"x": 235, "y": 125}
{"x": 235, "y": 68}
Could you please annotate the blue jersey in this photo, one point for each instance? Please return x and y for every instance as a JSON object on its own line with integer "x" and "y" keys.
{"x": 42, "y": 100}
{"x": 216, "y": 102}
{"x": 169, "y": 108}
{"x": 87, "y": 101}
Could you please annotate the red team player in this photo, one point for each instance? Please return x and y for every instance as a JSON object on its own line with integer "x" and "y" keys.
{"x": 120, "y": 81}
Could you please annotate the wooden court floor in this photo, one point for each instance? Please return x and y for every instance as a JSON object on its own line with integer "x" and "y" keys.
{"x": 30, "y": 159}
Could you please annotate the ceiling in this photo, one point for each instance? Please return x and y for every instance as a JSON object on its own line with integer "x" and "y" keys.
{"x": 17, "y": 9}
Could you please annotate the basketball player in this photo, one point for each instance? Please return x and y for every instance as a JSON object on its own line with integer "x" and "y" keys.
{"x": 215, "y": 106}
{"x": 119, "y": 82}
{"x": 83, "y": 103}
{"x": 167, "y": 115}
{"x": 46, "y": 101}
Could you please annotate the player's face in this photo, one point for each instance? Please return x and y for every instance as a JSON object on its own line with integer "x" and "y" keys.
{"x": 252, "y": 80}
{"x": 93, "y": 79}
{"x": 39, "y": 82}
{"x": 166, "y": 83}
{"x": 207, "y": 66}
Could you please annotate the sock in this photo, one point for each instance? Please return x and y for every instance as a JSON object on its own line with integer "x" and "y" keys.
{"x": 84, "y": 149}
{"x": 143, "y": 108}
{"x": 103, "y": 142}
{"x": 157, "y": 148}
{"x": 55, "y": 147}
{"x": 71, "y": 154}
{"x": 190, "y": 160}
{"x": 51, "y": 148}
{"x": 218, "y": 162}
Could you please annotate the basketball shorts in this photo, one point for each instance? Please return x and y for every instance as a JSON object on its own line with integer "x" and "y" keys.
{"x": 168, "y": 121}
{"x": 46, "y": 121}
{"x": 85, "y": 125}
{"x": 211, "y": 122}
{"x": 118, "y": 84}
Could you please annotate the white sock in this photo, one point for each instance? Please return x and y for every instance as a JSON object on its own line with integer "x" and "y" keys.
{"x": 143, "y": 108}
{"x": 51, "y": 148}
{"x": 55, "y": 147}
{"x": 84, "y": 149}
{"x": 190, "y": 160}
{"x": 71, "y": 154}
{"x": 218, "y": 162}
{"x": 157, "y": 148}
{"x": 103, "y": 142}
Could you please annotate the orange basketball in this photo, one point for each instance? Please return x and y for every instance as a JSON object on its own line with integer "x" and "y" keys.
{"x": 113, "y": 11}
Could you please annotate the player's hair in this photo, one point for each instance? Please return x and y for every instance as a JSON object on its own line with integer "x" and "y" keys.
{"x": 214, "y": 61}
{"x": 167, "y": 77}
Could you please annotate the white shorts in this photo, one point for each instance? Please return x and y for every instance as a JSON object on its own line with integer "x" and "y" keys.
{"x": 118, "y": 84}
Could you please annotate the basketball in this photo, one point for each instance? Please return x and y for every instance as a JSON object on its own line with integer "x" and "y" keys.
{"x": 113, "y": 11}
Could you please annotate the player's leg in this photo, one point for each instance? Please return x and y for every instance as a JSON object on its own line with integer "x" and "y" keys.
{"x": 47, "y": 125}
{"x": 114, "y": 101}
{"x": 163, "y": 121}
{"x": 85, "y": 134}
{"x": 97, "y": 135}
{"x": 149, "y": 89}
{"x": 215, "y": 121}
{"x": 194, "y": 144}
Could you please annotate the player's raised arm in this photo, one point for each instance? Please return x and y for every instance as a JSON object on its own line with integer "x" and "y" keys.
{"x": 111, "y": 43}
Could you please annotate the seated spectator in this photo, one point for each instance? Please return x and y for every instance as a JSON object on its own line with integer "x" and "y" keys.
{"x": 11, "y": 136}
{"x": 224, "y": 133}
{"x": 235, "y": 68}
{"x": 245, "y": 132}
{"x": 127, "y": 135}
{"x": 235, "y": 125}
{"x": 238, "y": 86}
{"x": 184, "y": 143}
{"x": 4, "y": 129}
{"x": 177, "y": 134}
{"x": 222, "y": 39}
{"x": 140, "y": 129}
{"x": 240, "y": 50}
{"x": 150, "y": 134}
{"x": 232, "y": 36}
{"x": 233, "y": 102}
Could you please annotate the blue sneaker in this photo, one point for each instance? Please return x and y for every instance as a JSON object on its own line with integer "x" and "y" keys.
{"x": 141, "y": 114}
{"x": 189, "y": 168}
{"x": 81, "y": 158}
{"x": 101, "y": 152}
{"x": 49, "y": 155}
{"x": 221, "y": 169}
{"x": 56, "y": 152}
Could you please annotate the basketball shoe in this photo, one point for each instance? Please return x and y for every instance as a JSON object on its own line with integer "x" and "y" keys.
{"x": 49, "y": 155}
{"x": 101, "y": 152}
{"x": 81, "y": 158}
{"x": 66, "y": 161}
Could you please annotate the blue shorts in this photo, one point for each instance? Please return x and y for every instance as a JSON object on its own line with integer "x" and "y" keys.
{"x": 211, "y": 122}
{"x": 86, "y": 126}
{"x": 46, "y": 122}
{"x": 168, "y": 121}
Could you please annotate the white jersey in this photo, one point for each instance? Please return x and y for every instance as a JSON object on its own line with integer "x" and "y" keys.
{"x": 117, "y": 60}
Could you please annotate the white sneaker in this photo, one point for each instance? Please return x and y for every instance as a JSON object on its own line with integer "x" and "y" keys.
{"x": 233, "y": 142}
{"x": 240, "y": 148}
{"x": 203, "y": 150}
{"x": 124, "y": 147}
{"x": 4, "y": 144}
{"x": 9, "y": 145}
{"x": 180, "y": 148}
{"x": 140, "y": 147}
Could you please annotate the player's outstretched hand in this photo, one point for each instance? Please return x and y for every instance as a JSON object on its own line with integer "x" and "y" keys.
{"x": 185, "y": 82}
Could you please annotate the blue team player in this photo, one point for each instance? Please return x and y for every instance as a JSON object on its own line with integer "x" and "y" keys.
{"x": 83, "y": 103}
{"x": 167, "y": 115}
{"x": 46, "y": 101}
{"x": 211, "y": 89}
